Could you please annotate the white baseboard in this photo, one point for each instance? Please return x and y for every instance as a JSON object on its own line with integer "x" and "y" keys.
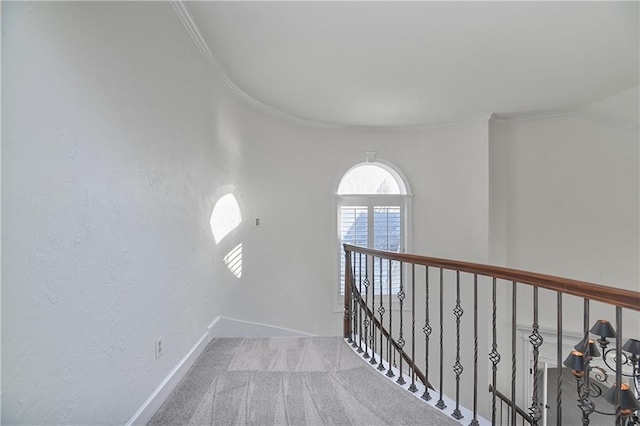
{"x": 162, "y": 392}
{"x": 230, "y": 327}
{"x": 219, "y": 327}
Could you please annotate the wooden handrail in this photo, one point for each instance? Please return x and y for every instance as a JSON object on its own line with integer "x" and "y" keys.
{"x": 596, "y": 292}
{"x": 507, "y": 401}
{"x": 369, "y": 313}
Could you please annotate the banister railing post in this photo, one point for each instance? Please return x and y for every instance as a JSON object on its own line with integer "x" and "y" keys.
{"x": 618, "y": 395}
{"x": 536, "y": 340}
{"x": 514, "y": 317}
{"x": 347, "y": 295}
{"x": 559, "y": 356}
{"x": 585, "y": 404}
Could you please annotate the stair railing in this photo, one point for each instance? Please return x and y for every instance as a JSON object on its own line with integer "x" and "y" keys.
{"x": 382, "y": 312}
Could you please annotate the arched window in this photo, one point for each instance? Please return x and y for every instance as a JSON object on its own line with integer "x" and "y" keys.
{"x": 373, "y": 211}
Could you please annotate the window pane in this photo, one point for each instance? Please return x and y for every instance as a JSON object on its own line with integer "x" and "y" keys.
{"x": 369, "y": 179}
{"x": 386, "y": 228}
{"x": 354, "y": 224}
{"x": 386, "y": 236}
{"x": 354, "y": 229}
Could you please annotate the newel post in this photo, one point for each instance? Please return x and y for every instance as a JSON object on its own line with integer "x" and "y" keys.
{"x": 347, "y": 294}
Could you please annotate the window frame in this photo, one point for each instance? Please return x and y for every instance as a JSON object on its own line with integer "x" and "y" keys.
{"x": 404, "y": 200}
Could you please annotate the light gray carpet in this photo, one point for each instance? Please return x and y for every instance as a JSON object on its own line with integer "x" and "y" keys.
{"x": 290, "y": 381}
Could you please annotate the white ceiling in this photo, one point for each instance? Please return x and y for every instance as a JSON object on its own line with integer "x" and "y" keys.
{"x": 416, "y": 63}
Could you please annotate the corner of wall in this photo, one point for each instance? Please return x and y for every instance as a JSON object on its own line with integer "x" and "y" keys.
{"x": 497, "y": 193}
{"x": 162, "y": 392}
{"x": 231, "y": 327}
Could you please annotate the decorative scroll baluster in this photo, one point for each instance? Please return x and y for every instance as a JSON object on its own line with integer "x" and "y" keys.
{"x": 559, "y": 357}
{"x": 619, "y": 416}
{"x": 474, "y": 421}
{"x": 427, "y": 332}
{"x": 494, "y": 356}
{"x": 412, "y": 386}
{"x": 401, "y": 341}
{"x": 381, "y": 313}
{"x": 584, "y": 397}
{"x": 514, "y": 304}
{"x": 373, "y": 311}
{"x": 390, "y": 371}
{"x": 536, "y": 341}
{"x": 366, "y": 284}
{"x": 457, "y": 367}
{"x": 359, "y": 306}
{"x": 440, "y": 404}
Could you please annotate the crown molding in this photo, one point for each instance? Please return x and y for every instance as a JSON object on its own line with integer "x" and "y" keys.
{"x": 516, "y": 118}
{"x": 196, "y": 35}
{"x": 194, "y": 32}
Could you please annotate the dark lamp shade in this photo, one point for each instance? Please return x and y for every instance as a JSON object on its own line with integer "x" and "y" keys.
{"x": 592, "y": 350}
{"x": 627, "y": 400}
{"x": 632, "y": 346}
{"x": 575, "y": 361}
{"x": 603, "y": 328}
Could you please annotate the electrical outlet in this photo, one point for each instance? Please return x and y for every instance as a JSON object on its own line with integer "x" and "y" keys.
{"x": 158, "y": 347}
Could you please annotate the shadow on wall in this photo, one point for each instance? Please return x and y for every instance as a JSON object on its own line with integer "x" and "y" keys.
{"x": 226, "y": 217}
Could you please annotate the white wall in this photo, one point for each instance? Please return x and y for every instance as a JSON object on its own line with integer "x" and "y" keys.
{"x": 109, "y": 175}
{"x": 573, "y": 199}
{"x": 567, "y": 204}
{"x": 291, "y": 173}
{"x": 290, "y": 177}
{"x": 118, "y": 143}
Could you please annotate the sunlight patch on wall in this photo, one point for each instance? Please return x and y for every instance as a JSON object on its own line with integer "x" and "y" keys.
{"x": 225, "y": 218}
{"x": 233, "y": 260}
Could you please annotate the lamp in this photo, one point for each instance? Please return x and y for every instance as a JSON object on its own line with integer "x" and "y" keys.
{"x": 579, "y": 363}
{"x": 592, "y": 349}
{"x": 628, "y": 401}
{"x": 575, "y": 361}
{"x": 633, "y": 347}
{"x": 604, "y": 329}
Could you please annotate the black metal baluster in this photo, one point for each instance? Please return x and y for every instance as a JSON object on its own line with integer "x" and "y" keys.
{"x": 359, "y": 306}
{"x": 348, "y": 327}
{"x": 390, "y": 371}
{"x": 619, "y": 416}
{"x": 354, "y": 300}
{"x": 366, "y": 284}
{"x": 494, "y": 356}
{"x": 474, "y": 421}
{"x": 381, "y": 311}
{"x": 586, "y": 405}
{"x": 559, "y": 356}
{"x": 427, "y": 332}
{"x": 514, "y": 301}
{"x": 457, "y": 367}
{"x": 536, "y": 341}
{"x": 412, "y": 386}
{"x": 401, "y": 341}
{"x": 373, "y": 311}
{"x": 440, "y": 404}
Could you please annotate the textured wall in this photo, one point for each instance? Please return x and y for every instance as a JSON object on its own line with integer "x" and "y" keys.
{"x": 109, "y": 172}
{"x": 291, "y": 175}
{"x": 572, "y": 191}
{"x": 567, "y": 204}
{"x": 117, "y": 144}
